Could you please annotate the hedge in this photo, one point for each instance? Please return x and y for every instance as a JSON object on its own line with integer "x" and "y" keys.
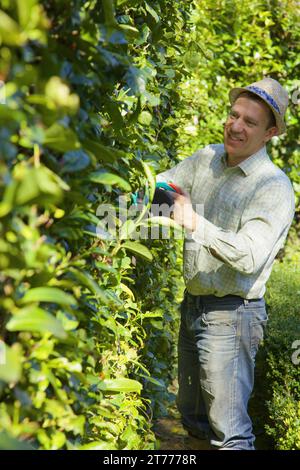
{"x": 86, "y": 322}
{"x": 282, "y": 351}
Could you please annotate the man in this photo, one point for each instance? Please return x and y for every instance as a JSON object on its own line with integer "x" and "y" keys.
{"x": 247, "y": 206}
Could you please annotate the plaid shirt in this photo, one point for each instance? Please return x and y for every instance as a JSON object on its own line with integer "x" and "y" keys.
{"x": 245, "y": 214}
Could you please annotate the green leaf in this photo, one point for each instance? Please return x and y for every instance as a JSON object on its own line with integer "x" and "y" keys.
{"x": 111, "y": 427}
{"x": 138, "y": 249}
{"x": 120, "y": 385}
{"x": 36, "y": 319}
{"x": 48, "y": 294}
{"x": 192, "y": 59}
{"x": 58, "y": 95}
{"x": 10, "y": 32}
{"x": 7, "y": 114}
{"x": 8, "y": 442}
{"x": 163, "y": 222}
{"x": 58, "y": 137}
{"x": 99, "y": 445}
{"x": 86, "y": 279}
{"x": 102, "y": 152}
{"x": 136, "y": 80}
{"x": 151, "y": 180}
{"x": 109, "y": 13}
{"x": 10, "y": 363}
{"x": 24, "y": 11}
{"x": 129, "y": 2}
{"x": 58, "y": 440}
{"x": 105, "y": 177}
{"x": 117, "y": 328}
{"x": 151, "y": 99}
{"x": 38, "y": 185}
{"x": 69, "y": 322}
{"x": 127, "y": 228}
{"x": 145, "y": 118}
{"x": 158, "y": 383}
{"x": 7, "y": 202}
{"x": 130, "y": 31}
{"x": 152, "y": 12}
{"x": 74, "y": 161}
{"x": 72, "y": 423}
{"x": 114, "y": 110}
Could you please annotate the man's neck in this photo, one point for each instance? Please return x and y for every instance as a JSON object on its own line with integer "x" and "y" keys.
{"x": 234, "y": 161}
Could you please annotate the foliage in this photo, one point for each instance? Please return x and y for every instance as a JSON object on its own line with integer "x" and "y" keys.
{"x": 85, "y": 120}
{"x": 282, "y": 356}
{"x": 238, "y": 43}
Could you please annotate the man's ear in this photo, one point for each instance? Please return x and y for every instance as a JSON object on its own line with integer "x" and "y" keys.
{"x": 271, "y": 133}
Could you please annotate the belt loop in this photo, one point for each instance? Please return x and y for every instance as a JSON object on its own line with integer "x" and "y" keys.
{"x": 246, "y": 301}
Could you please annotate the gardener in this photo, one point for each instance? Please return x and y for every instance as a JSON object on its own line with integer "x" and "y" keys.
{"x": 237, "y": 210}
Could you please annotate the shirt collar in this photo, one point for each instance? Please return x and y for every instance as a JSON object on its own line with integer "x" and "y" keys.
{"x": 250, "y": 164}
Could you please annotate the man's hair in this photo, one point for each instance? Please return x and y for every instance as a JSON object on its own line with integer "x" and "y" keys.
{"x": 253, "y": 97}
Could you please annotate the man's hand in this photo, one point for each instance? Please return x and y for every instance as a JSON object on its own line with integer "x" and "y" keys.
{"x": 183, "y": 212}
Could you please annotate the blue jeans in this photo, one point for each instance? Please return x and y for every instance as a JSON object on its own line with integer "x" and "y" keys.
{"x": 218, "y": 341}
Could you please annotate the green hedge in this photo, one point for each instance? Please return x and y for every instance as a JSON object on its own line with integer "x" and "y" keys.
{"x": 86, "y": 322}
{"x": 282, "y": 349}
{"x": 274, "y": 405}
{"x": 239, "y": 43}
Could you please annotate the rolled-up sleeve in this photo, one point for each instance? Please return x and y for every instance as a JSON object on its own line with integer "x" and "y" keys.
{"x": 264, "y": 225}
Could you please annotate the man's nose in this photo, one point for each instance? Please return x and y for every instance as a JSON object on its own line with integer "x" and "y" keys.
{"x": 237, "y": 125}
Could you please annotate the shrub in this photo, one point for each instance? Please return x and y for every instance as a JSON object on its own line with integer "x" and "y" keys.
{"x": 282, "y": 353}
{"x": 89, "y": 91}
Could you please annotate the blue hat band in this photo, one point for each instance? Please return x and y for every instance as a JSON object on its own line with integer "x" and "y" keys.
{"x": 265, "y": 96}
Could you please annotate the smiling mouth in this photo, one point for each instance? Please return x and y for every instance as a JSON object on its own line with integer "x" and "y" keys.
{"x": 234, "y": 139}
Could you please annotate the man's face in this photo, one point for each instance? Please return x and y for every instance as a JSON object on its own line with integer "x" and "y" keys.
{"x": 245, "y": 130}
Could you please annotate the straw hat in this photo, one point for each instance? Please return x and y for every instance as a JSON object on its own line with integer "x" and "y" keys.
{"x": 273, "y": 94}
